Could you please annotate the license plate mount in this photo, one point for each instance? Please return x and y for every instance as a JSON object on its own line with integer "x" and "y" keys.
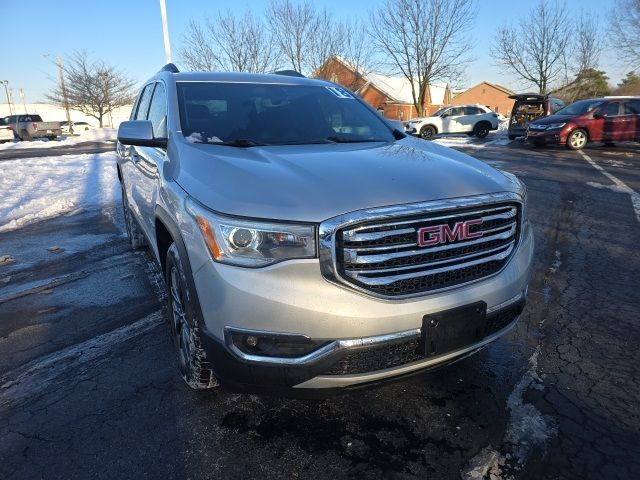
{"x": 453, "y": 329}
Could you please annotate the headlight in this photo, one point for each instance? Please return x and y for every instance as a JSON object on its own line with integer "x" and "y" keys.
{"x": 553, "y": 126}
{"x": 249, "y": 243}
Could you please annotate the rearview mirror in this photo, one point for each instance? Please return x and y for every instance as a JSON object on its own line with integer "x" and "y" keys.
{"x": 140, "y": 134}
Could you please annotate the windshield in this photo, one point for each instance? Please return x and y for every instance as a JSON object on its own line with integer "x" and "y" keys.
{"x": 578, "y": 108}
{"x": 248, "y": 114}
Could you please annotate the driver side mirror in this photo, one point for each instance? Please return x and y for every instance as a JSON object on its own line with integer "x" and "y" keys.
{"x": 444, "y": 115}
{"x": 140, "y": 134}
{"x": 599, "y": 115}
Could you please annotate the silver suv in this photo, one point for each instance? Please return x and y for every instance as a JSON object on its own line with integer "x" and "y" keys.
{"x": 307, "y": 245}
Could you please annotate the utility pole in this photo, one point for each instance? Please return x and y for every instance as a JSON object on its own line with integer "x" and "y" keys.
{"x": 6, "y": 91}
{"x": 65, "y": 99}
{"x": 165, "y": 30}
{"x": 23, "y": 101}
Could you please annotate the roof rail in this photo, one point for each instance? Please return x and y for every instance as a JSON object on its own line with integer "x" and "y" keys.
{"x": 289, "y": 73}
{"x": 170, "y": 67}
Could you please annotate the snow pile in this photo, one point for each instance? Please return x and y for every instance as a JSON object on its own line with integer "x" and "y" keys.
{"x": 33, "y": 189}
{"x": 93, "y": 135}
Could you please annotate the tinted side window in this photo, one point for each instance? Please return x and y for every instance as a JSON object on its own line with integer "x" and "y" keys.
{"x": 610, "y": 109}
{"x": 472, "y": 111}
{"x": 632, "y": 107}
{"x": 143, "y": 104}
{"x": 158, "y": 112}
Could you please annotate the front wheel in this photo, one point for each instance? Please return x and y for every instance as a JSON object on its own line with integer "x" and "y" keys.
{"x": 427, "y": 132}
{"x": 481, "y": 130}
{"x": 185, "y": 328}
{"x": 577, "y": 139}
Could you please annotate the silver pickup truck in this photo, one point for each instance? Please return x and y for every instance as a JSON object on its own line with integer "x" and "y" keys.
{"x": 30, "y": 126}
{"x": 309, "y": 246}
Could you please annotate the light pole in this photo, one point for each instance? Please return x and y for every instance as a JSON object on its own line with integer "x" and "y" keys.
{"x": 6, "y": 91}
{"x": 23, "y": 101}
{"x": 63, "y": 89}
{"x": 165, "y": 30}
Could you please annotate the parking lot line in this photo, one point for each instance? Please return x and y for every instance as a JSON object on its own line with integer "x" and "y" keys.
{"x": 623, "y": 187}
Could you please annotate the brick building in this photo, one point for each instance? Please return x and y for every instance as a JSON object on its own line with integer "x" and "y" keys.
{"x": 387, "y": 94}
{"x": 494, "y": 96}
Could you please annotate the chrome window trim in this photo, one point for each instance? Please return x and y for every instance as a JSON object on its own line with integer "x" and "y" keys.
{"x": 327, "y": 231}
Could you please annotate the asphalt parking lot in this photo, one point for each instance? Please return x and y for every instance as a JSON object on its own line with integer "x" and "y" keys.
{"x": 89, "y": 388}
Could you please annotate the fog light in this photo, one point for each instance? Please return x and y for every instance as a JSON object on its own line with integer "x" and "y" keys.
{"x": 251, "y": 341}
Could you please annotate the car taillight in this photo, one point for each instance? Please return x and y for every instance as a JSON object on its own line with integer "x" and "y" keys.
{"x": 8, "y": 128}
{"x": 35, "y": 126}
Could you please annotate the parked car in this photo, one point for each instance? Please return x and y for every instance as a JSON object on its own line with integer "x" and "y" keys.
{"x": 610, "y": 119}
{"x": 475, "y": 120}
{"x": 6, "y": 132}
{"x": 529, "y": 107}
{"x": 306, "y": 244}
{"x": 78, "y": 127}
{"x": 31, "y": 126}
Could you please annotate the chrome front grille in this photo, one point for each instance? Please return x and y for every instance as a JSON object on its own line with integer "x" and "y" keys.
{"x": 383, "y": 256}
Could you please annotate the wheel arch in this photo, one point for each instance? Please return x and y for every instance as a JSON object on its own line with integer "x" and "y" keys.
{"x": 168, "y": 232}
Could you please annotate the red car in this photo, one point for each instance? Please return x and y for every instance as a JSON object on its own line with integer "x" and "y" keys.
{"x": 609, "y": 119}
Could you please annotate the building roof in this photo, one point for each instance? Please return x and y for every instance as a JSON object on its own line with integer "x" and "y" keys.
{"x": 494, "y": 85}
{"x": 399, "y": 88}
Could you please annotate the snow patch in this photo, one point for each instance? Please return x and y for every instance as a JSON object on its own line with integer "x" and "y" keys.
{"x": 486, "y": 464}
{"x": 527, "y": 427}
{"x": 33, "y": 189}
{"x": 556, "y": 263}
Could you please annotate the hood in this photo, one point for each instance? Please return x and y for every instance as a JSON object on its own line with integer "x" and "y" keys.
{"x": 553, "y": 119}
{"x": 312, "y": 183}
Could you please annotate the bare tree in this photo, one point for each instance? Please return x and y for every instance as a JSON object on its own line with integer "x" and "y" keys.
{"x": 198, "y": 50}
{"x": 535, "y": 48}
{"x": 292, "y": 26}
{"x": 93, "y": 87}
{"x": 229, "y": 43}
{"x": 625, "y": 30}
{"x": 355, "y": 50}
{"x": 425, "y": 41}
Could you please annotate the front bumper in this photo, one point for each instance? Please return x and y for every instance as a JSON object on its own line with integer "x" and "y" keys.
{"x": 546, "y": 137}
{"x": 293, "y": 298}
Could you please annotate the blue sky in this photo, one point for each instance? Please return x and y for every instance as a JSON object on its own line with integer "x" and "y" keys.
{"x": 129, "y": 34}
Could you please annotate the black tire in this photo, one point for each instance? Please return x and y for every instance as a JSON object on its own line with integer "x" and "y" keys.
{"x": 482, "y": 129}
{"x": 136, "y": 237}
{"x": 577, "y": 139}
{"x": 52, "y": 137}
{"x": 428, "y": 132}
{"x": 512, "y": 137}
{"x": 185, "y": 328}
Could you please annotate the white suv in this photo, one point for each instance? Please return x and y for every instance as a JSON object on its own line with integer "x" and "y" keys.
{"x": 475, "y": 120}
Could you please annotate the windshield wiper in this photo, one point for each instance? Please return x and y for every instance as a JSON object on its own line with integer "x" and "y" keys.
{"x": 337, "y": 139}
{"x": 240, "y": 142}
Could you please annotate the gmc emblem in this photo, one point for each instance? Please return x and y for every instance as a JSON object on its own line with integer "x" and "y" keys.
{"x": 437, "y": 234}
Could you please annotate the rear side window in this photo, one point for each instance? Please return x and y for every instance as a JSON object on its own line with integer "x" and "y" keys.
{"x": 632, "y": 107}
{"x": 158, "y": 112}
{"x": 143, "y": 104}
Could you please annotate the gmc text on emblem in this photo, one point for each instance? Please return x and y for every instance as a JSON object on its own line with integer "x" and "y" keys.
{"x": 437, "y": 234}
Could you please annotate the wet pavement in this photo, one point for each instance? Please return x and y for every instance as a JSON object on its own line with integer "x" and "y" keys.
{"x": 89, "y": 387}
